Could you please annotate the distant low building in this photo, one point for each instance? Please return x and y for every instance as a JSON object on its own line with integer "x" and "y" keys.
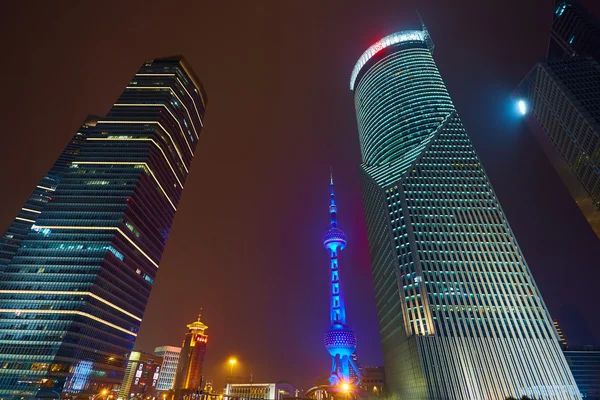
{"x": 585, "y": 367}
{"x": 170, "y": 356}
{"x": 141, "y": 376}
{"x": 373, "y": 379}
{"x": 265, "y": 391}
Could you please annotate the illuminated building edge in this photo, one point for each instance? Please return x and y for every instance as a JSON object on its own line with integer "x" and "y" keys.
{"x": 390, "y": 40}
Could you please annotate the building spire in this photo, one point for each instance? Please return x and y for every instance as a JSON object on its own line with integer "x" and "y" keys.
{"x": 423, "y": 27}
{"x": 330, "y": 175}
{"x": 428, "y": 39}
{"x": 198, "y": 325}
{"x": 332, "y": 206}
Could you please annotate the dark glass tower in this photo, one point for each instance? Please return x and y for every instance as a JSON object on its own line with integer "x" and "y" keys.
{"x": 78, "y": 263}
{"x": 575, "y": 31}
{"x": 561, "y": 105}
{"x": 460, "y": 315}
{"x": 563, "y": 97}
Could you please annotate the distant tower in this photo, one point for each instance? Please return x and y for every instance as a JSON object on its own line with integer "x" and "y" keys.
{"x": 340, "y": 340}
{"x": 189, "y": 369}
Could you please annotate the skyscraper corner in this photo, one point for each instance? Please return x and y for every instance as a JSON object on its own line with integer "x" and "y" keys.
{"x": 460, "y": 315}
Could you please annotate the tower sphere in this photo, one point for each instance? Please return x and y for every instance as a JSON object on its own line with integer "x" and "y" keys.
{"x": 340, "y": 340}
{"x": 334, "y": 239}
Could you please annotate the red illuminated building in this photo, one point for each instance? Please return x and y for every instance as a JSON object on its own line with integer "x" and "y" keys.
{"x": 189, "y": 370}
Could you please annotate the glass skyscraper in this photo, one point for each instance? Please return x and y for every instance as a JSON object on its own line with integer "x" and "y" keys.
{"x": 460, "y": 315}
{"x": 575, "y": 31}
{"x": 562, "y": 94}
{"x": 78, "y": 263}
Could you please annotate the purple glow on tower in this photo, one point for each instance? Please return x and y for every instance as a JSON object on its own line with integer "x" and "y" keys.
{"x": 340, "y": 340}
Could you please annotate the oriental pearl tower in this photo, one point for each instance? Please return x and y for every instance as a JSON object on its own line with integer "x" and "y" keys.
{"x": 340, "y": 340}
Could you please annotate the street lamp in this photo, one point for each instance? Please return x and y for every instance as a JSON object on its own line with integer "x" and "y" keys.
{"x": 522, "y": 107}
{"x": 345, "y": 387}
{"x": 103, "y": 393}
{"x": 232, "y": 362}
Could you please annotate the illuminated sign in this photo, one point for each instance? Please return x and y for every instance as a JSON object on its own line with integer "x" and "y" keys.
{"x": 80, "y": 375}
{"x": 202, "y": 339}
{"x": 394, "y": 38}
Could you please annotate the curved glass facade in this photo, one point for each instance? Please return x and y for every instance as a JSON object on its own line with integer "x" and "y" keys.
{"x": 459, "y": 312}
{"x": 398, "y": 103}
{"x": 78, "y": 263}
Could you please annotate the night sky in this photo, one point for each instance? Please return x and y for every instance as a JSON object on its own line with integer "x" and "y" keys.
{"x": 246, "y": 245}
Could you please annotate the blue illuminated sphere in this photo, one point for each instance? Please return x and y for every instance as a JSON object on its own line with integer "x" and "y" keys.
{"x": 340, "y": 339}
{"x": 334, "y": 238}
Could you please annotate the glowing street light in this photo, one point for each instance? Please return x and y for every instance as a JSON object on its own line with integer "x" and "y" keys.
{"x": 102, "y": 393}
{"x": 232, "y": 362}
{"x": 345, "y": 387}
{"x": 522, "y": 107}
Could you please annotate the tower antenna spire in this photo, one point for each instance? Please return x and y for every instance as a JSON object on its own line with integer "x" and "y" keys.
{"x": 421, "y": 19}
{"x": 332, "y": 206}
{"x": 428, "y": 39}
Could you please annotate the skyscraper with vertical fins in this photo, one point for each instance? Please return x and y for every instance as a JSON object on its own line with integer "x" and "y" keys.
{"x": 460, "y": 315}
{"x": 340, "y": 340}
{"x": 78, "y": 263}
